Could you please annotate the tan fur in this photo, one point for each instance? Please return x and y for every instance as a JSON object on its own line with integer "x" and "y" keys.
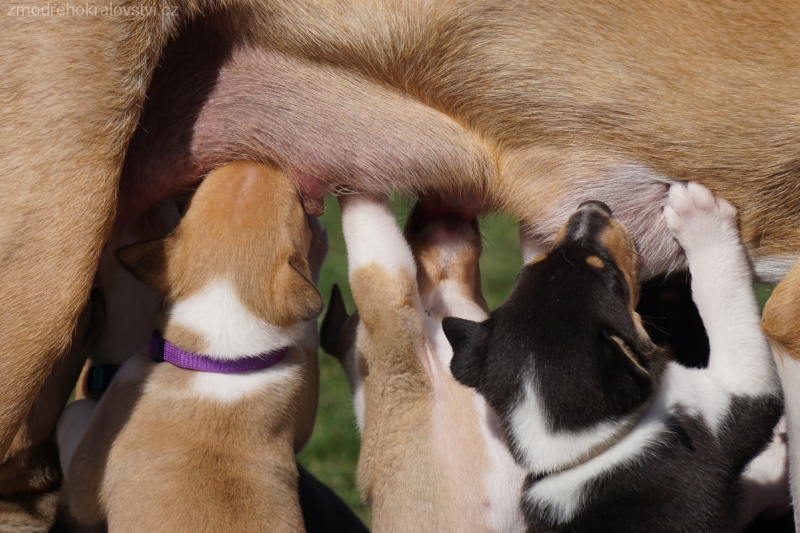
{"x": 595, "y": 262}
{"x": 158, "y": 457}
{"x": 529, "y": 102}
{"x": 618, "y": 242}
{"x": 28, "y": 513}
{"x": 168, "y": 468}
{"x": 46, "y": 146}
{"x": 781, "y": 317}
{"x": 422, "y": 459}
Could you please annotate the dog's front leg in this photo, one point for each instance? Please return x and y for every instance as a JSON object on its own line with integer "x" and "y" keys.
{"x": 705, "y": 227}
{"x": 396, "y": 474}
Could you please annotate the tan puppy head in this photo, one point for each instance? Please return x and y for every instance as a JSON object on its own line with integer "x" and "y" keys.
{"x": 246, "y": 224}
{"x": 446, "y": 244}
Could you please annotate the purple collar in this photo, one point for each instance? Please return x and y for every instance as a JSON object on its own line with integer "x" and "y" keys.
{"x": 161, "y": 350}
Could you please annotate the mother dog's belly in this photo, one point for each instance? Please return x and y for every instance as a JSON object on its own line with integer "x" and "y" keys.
{"x": 328, "y": 129}
{"x": 333, "y": 130}
{"x": 543, "y": 186}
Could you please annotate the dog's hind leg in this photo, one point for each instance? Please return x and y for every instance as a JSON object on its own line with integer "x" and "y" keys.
{"x": 72, "y": 90}
{"x": 781, "y": 321}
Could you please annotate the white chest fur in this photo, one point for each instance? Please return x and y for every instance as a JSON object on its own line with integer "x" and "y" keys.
{"x": 230, "y": 331}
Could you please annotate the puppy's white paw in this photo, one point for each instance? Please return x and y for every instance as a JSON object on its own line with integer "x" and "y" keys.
{"x": 697, "y": 219}
{"x": 371, "y": 234}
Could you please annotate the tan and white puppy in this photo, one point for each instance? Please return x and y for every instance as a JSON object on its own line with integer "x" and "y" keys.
{"x": 170, "y": 449}
{"x": 431, "y": 459}
{"x": 129, "y": 317}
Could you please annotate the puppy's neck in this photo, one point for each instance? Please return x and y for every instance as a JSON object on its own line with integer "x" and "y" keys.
{"x": 543, "y": 450}
{"x": 214, "y": 322}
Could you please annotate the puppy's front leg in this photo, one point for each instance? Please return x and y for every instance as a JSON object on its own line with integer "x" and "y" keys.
{"x": 396, "y": 474}
{"x": 383, "y": 281}
{"x": 705, "y": 227}
{"x": 739, "y": 392}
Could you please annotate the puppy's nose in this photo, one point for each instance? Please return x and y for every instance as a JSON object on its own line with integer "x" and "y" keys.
{"x": 595, "y": 204}
{"x": 587, "y": 222}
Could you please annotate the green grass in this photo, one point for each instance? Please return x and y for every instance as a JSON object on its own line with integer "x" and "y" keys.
{"x": 332, "y": 453}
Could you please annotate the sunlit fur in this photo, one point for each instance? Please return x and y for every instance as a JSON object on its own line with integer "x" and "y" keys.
{"x": 525, "y": 106}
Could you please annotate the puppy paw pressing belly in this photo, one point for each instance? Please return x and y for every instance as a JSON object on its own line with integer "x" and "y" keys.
{"x": 698, "y": 220}
{"x": 614, "y": 435}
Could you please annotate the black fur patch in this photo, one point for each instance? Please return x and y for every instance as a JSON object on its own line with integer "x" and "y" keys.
{"x": 683, "y": 483}
{"x": 554, "y": 331}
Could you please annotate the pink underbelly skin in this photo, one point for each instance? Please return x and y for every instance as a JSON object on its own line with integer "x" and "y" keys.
{"x": 329, "y": 129}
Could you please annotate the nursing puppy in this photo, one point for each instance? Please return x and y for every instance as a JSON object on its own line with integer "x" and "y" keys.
{"x": 613, "y": 435}
{"x": 171, "y": 449}
{"x": 430, "y": 457}
{"x": 528, "y": 106}
{"x": 129, "y": 312}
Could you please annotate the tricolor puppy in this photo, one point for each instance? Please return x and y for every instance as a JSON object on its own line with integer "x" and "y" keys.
{"x": 196, "y": 433}
{"x": 613, "y": 435}
{"x": 431, "y": 459}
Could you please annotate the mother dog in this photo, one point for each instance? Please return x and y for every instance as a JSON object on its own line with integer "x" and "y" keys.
{"x": 526, "y": 106}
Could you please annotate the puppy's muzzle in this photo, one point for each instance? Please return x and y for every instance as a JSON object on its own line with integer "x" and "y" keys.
{"x": 586, "y": 224}
{"x": 594, "y": 204}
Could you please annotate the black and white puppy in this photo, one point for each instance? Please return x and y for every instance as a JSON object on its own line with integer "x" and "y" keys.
{"x": 614, "y": 435}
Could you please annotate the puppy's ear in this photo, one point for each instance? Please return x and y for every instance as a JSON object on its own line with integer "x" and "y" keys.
{"x": 332, "y": 325}
{"x": 147, "y": 262}
{"x": 469, "y": 341}
{"x": 627, "y": 374}
{"x": 302, "y": 299}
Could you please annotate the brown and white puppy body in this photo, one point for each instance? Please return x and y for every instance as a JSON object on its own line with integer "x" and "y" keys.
{"x": 613, "y": 435}
{"x": 130, "y": 312}
{"x": 430, "y": 458}
{"x": 170, "y": 449}
{"x": 526, "y": 106}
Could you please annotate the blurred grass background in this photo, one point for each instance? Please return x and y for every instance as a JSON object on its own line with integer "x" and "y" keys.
{"x": 332, "y": 453}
